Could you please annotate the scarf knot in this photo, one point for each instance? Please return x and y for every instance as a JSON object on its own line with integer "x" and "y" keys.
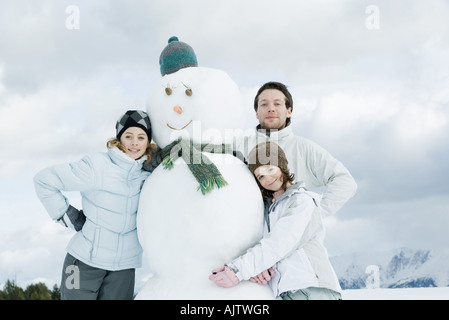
{"x": 204, "y": 170}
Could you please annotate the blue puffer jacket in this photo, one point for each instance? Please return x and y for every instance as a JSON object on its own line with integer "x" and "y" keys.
{"x": 110, "y": 185}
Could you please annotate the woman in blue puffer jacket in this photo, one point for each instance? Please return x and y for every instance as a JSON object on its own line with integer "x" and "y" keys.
{"x": 103, "y": 254}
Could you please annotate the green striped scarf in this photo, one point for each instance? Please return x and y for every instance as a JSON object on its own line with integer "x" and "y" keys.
{"x": 204, "y": 171}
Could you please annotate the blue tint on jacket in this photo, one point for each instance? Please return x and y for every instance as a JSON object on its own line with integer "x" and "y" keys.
{"x": 110, "y": 185}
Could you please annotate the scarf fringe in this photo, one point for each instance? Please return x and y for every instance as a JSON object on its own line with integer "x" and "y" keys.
{"x": 205, "y": 172}
{"x": 167, "y": 163}
{"x": 209, "y": 184}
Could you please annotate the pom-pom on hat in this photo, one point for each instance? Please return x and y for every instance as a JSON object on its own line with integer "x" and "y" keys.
{"x": 176, "y": 55}
{"x": 134, "y": 118}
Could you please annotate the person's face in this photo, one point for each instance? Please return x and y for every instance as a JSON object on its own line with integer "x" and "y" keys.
{"x": 269, "y": 177}
{"x": 135, "y": 141}
{"x": 271, "y": 110}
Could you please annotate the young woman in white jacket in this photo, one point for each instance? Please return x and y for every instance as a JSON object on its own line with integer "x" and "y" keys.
{"x": 291, "y": 254}
{"x": 103, "y": 254}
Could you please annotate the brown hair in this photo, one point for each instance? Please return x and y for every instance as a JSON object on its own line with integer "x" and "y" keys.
{"x": 277, "y": 86}
{"x": 269, "y": 153}
{"x": 149, "y": 152}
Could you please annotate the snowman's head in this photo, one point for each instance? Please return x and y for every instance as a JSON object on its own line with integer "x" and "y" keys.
{"x": 197, "y": 103}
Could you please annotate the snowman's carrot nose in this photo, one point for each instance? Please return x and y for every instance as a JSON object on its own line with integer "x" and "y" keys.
{"x": 177, "y": 109}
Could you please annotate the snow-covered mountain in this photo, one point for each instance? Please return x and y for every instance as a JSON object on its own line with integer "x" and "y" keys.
{"x": 396, "y": 268}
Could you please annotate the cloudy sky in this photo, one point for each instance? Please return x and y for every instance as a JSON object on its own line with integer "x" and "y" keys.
{"x": 369, "y": 80}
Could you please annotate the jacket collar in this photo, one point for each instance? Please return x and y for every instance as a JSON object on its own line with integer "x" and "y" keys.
{"x": 294, "y": 188}
{"x": 274, "y": 133}
{"x": 123, "y": 160}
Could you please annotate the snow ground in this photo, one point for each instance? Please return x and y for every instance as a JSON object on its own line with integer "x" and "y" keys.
{"x": 439, "y": 293}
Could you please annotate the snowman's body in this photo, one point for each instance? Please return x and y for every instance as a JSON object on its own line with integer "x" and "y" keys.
{"x": 184, "y": 233}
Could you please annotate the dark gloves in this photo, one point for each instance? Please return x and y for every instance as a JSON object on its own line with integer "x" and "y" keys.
{"x": 73, "y": 218}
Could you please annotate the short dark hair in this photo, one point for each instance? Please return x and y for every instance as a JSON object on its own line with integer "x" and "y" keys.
{"x": 277, "y": 86}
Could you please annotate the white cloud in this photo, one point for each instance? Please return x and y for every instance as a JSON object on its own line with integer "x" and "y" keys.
{"x": 32, "y": 246}
{"x": 61, "y": 121}
{"x": 2, "y": 87}
{"x": 416, "y": 223}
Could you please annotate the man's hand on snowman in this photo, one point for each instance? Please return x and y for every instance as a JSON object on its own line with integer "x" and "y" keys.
{"x": 263, "y": 277}
{"x": 224, "y": 277}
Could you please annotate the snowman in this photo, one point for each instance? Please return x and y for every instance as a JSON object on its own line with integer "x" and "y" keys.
{"x": 201, "y": 207}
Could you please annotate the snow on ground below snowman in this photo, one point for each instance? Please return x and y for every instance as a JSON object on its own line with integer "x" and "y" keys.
{"x": 439, "y": 293}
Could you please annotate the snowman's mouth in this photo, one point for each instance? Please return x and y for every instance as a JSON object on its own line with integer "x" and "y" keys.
{"x": 179, "y": 129}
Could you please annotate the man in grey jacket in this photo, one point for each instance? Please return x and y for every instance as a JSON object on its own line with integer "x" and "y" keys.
{"x": 310, "y": 163}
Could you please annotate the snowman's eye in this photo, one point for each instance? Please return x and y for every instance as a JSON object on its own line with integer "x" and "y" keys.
{"x": 189, "y": 91}
{"x": 169, "y": 89}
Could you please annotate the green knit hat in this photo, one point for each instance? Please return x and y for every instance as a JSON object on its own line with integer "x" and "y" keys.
{"x": 176, "y": 55}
